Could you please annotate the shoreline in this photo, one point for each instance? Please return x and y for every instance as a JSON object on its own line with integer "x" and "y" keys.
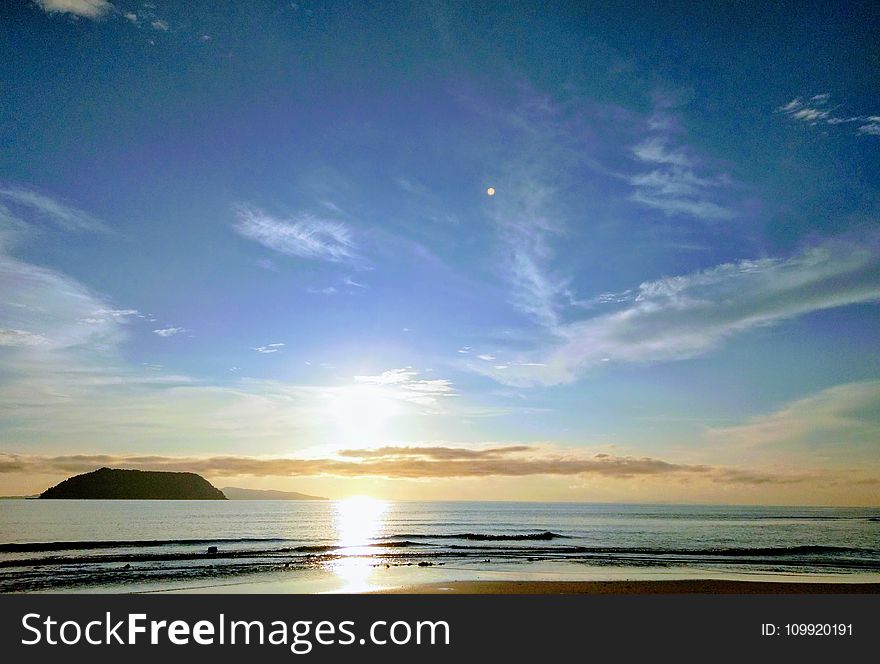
{"x": 640, "y": 587}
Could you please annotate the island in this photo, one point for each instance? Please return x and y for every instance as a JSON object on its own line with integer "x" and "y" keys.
{"x": 236, "y": 493}
{"x": 118, "y": 484}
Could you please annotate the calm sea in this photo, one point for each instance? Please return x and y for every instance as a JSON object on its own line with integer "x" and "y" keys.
{"x": 46, "y": 545}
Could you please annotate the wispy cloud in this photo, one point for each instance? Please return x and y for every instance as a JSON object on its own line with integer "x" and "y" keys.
{"x": 305, "y": 235}
{"x": 86, "y": 8}
{"x": 269, "y": 348}
{"x": 673, "y": 184}
{"x": 527, "y": 220}
{"x": 839, "y": 422}
{"x": 48, "y": 305}
{"x": 10, "y": 337}
{"x": 816, "y": 111}
{"x": 689, "y": 315}
{"x": 169, "y": 331}
{"x": 407, "y": 385}
{"x": 45, "y": 208}
{"x": 655, "y": 150}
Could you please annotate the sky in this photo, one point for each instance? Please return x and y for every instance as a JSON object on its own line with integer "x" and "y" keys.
{"x": 256, "y": 241}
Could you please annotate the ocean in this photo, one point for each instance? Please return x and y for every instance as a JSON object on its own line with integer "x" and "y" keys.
{"x": 361, "y": 544}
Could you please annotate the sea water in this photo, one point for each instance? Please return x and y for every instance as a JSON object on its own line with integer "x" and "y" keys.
{"x": 124, "y": 545}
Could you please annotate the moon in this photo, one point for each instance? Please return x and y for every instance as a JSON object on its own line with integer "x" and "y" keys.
{"x": 491, "y": 191}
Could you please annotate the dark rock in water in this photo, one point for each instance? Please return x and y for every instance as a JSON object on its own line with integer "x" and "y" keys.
{"x": 212, "y": 550}
{"x": 425, "y": 563}
{"x": 113, "y": 484}
{"x": 126, "y": 566}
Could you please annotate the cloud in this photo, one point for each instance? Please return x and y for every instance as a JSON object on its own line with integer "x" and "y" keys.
{"x": 681, "y": 206}
{"x": 486, "y": 357}
{"x": 655, "y": 150}
{"x": 269, "y": 348}
{"x": 327, "y": 290}
{"x": 406, "y": 385}
{"x": 842, "y": 417}
{"x": 815, "y": 111}
{"x": 527, "y": 220}
{"x": 305, "y": 236}
{"x": 48, "y": 305}
{"x": 169, "y": 331}
{"x": 673, "y": 185}
{"x": 45, "y": 208}
{"x": 435, "y": 453}
{"x": 686, "y": 316}
{"x": 408, "y": 463}
{"x": 21, "y": 338}
{"x": 85, "y": 8}
{"x": 872, "y": 128}
{"x": 160, "y": 25}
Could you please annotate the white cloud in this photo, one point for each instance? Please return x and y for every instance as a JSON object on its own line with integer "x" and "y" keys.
{"x": 655, "y": 150}
{"x": 527, "y": 219}
{"x": 689, "y": 315}
{"x": 327, "y": 290}
{"x": 405, "y": 385}
{"x": 841, "y": 423}
{"x": 815, "y": 111}
{"x": 51, "y": 306}
{"x": 169, "y": 331}
{"x": 354, "y": 284}
{"x": 159, "y": 24}
{"x": 46, "y": 208}
{"x": 269, "y": 348}
{"x": 671, "y": 205}
{"x": 86, "y": 8}
{"x": 673, "y": 185}
{"x": 10, "y": 337}
{"x": 119, "y": 313}
{"x": 486, "y": 357}
{"x": 305, "y": 236}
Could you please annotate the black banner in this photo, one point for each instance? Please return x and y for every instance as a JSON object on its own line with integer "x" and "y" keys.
{"x": 434, "y": 628}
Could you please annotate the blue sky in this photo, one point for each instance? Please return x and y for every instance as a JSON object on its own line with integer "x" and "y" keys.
{"x": 255, "y": 240}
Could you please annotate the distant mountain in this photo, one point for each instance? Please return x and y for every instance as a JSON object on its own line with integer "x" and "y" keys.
{"x": 235, "y": 493}
{"x": 135, "y": 485}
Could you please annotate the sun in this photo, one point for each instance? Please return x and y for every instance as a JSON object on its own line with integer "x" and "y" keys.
{"x": 361, "y": 413}
{"x": 491, "y": 191}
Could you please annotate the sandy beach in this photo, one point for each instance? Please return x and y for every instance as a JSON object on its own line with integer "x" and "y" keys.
{"x": 671, "y": 587}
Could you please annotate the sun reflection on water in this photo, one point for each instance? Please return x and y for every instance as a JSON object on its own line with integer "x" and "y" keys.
{"x": 358, "y": 521}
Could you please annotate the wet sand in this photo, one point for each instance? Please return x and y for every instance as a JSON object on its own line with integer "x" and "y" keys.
{"x": 671, "y": 587}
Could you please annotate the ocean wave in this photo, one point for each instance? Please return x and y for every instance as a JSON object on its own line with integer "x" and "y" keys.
{"x": 482, "y": 537}
{"x": 21, "y": 547}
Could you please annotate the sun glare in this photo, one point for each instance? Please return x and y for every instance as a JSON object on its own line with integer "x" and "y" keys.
{"x": 361, "y": 413}
{"x": 358, "y": 521}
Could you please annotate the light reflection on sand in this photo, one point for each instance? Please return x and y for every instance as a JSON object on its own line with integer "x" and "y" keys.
{"x": 358, "y": 521}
